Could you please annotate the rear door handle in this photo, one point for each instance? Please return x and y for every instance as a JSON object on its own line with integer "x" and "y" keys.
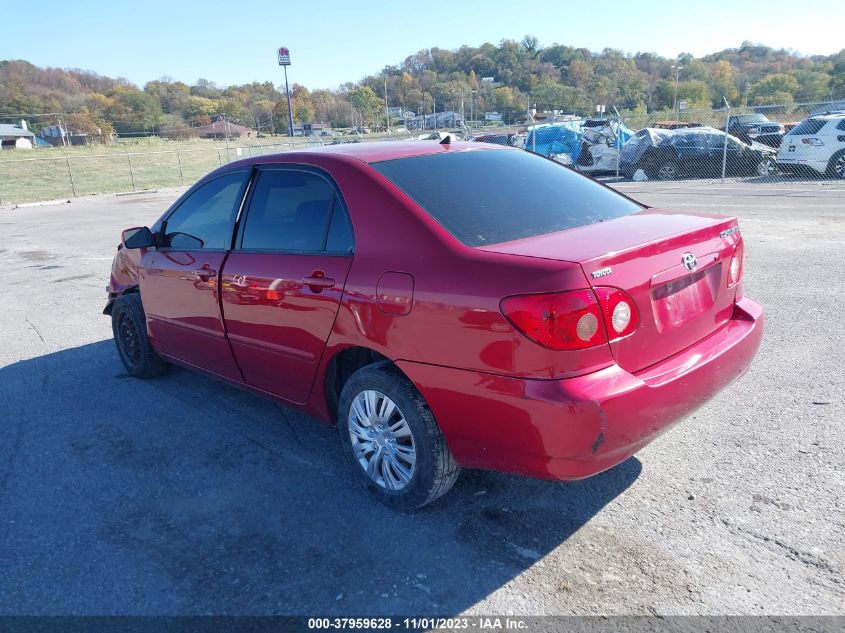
{"x": 318, "y": 282}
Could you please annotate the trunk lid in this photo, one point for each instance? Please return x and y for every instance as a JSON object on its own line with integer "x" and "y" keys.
{"x": 643, "y": 254}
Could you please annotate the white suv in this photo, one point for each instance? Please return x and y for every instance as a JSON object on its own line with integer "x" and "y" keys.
{"x": 817, "y": 143}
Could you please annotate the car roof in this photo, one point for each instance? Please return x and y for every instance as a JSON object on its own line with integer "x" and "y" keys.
{"x": 835, "y": 114}
{"x": 375, "y": 151}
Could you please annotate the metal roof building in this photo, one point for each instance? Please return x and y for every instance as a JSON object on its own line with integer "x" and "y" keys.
{"x": 15, "y": 136}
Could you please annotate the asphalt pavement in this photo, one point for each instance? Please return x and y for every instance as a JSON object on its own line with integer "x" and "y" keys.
{"x": 181, "y": 495}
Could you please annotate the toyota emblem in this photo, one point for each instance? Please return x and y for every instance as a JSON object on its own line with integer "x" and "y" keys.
{"x": 689, "y": 261}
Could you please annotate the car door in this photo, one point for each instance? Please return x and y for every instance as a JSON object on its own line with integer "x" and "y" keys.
{"x": 737, "y": 160}
{"x": 283, "y": 282}
{"x": 179, "y": 279}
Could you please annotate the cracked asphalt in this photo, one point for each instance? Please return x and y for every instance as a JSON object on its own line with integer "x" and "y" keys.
{"x": 184, "y": 496}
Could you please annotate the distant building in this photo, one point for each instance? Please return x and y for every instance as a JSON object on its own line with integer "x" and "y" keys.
{"x": 56, "y": 135}
{"x": 16, "y": 136}
{"x": 448, "y": 119}
{"x": 221, "y": 128}
{"x": 311, "y": 129}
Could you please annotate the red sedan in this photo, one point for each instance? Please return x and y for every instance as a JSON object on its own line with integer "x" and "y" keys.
{"x": 448, "y": 305}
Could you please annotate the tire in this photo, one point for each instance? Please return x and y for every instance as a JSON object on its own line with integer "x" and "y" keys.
{"x": 767, "y": 167}
{"x": 129, "y": 326}
{"x": 667, "y": 171}
{"x": 398, "y": 483}
{"x": 836, "y": 166}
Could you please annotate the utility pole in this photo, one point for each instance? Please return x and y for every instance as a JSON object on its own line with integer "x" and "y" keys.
{"x": 472, "y": 106}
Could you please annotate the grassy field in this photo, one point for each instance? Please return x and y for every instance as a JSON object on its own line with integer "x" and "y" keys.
{"x": 45, "y": 174}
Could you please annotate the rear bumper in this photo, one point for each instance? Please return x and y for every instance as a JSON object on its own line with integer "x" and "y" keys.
{"x": 801, "y": 164}
{"x": 577, "y": 427}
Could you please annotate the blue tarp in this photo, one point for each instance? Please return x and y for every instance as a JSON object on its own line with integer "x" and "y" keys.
{"x": 565, "y": 138}
{"x": 556, "y": 138}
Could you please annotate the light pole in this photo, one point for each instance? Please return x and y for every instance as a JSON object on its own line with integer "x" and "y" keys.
{"x": 284, "y": 62}
{"x": 677, "y": 68}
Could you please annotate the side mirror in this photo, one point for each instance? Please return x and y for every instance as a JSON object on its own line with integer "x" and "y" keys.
{"x": 138, "y": 237}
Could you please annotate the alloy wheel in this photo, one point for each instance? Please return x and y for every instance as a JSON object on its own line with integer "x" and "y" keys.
{"x": 382, "y": 442}
{"x": 766, "y": 167}
{"x": 839, "y": 167}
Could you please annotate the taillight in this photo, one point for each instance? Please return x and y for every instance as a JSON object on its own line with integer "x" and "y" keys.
{"x": 561, "y": 320}
{"x": 736, "y": 266}
{"x": 572, "y": 320}
{"x": 816, "y": 142}
{"x": 620, "y": 313}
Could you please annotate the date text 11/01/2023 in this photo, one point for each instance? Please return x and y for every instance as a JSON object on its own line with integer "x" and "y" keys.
{"x": 481, "y": 623}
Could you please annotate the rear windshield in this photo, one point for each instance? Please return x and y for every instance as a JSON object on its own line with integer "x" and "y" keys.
{"x": 751, "y": 118}
{"x": 487, "y": 197}
{"x": 810, "y": 126}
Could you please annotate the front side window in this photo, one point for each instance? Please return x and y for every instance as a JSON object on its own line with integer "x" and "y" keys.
{"x": 488, "y": 196}
{"x": 290, "y": 211}
{"x": 206, "y": 218}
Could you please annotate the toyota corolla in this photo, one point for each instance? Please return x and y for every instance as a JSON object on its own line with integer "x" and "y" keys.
{"x": 445, "y": 305}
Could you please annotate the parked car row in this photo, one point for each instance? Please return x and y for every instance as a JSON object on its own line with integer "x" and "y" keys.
{"x": 752, "y": 146}
{"x": 695, "y": 152}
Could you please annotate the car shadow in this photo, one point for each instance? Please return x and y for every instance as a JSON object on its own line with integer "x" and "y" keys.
{"x": 182, "y": 495}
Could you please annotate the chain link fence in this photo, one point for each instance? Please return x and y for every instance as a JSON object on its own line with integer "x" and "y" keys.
{"x": 775, "y": 143}
{"x": 56, "y": 173}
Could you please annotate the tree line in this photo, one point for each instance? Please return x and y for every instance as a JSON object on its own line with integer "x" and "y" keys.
{"x": 508, "y": 78}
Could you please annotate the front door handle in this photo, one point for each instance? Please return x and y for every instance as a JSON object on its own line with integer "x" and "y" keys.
{"x": 317, "y": 281}
{"x": 205, "y": 273}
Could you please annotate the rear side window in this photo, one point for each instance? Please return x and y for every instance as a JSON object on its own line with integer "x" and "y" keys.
{"x": 289, "y": 211}
{"x": 339, "y": 238}
{"x": 205, "y": 219}
{"x": 810, "y": 126}
{"x": 491, "y": 196}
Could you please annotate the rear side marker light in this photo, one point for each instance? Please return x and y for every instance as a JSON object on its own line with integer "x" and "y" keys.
{"x": 572, "y": 320}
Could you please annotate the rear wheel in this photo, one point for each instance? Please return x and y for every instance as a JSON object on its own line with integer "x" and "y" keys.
{"x": 129, "y": 326}
{"x": 836, "y": 167}
{"x": 390, "y": 434}
{"x": 667, "y": 171}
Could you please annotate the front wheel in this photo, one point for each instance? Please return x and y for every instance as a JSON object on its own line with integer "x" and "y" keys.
{"x": 129, "y": 326}
{"x": 392, "y": 439}
{"x": 767, "y": 167}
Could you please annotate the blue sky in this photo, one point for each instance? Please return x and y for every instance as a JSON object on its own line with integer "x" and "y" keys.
{"x": 333, "y": 41}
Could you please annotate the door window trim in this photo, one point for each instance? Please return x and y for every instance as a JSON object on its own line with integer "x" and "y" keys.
{"x": 243, "y": 216}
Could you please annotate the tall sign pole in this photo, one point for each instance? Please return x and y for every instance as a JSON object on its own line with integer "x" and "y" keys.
{"x": 284, "y": 62}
